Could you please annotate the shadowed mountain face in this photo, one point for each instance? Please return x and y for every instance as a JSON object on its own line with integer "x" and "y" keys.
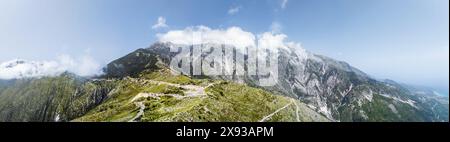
{"x": 140, "y": 87}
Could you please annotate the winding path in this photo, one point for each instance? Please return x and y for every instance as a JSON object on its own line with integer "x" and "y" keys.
{"x": 267, "y": 117}
{"x": 140, "y": 113}
{"x": 297, "y": 108}
{"x": 191, "y": 91}
{"x": 270, "y": 115}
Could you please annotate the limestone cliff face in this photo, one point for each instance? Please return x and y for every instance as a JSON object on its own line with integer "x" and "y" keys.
{"x": 335, "y": 89}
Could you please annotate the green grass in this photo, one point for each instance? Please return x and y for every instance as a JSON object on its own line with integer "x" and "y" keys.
{"x": 110, "y": 100}
{"x": 166, "y": 75}
{"x": 225, "y": 102}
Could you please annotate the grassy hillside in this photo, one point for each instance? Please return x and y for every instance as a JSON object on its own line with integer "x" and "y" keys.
{"x": 162, "y": 97}
{"x": 59, "y": 98}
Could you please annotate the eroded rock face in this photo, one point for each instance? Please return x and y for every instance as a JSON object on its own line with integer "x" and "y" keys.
{"x": 334, "y": 88}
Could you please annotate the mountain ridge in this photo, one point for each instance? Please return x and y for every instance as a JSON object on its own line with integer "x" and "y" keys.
{"x": 324, "y": 87}
{"x": 316, "y": 67}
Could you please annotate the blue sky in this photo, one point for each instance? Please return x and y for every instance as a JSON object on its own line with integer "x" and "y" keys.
{"x": 403, "y": 40}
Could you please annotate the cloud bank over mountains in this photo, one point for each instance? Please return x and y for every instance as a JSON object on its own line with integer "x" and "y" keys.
{"x": 201, "y": 34}
{"x": 20, "y": 68}
{"x": 234, "y": 36}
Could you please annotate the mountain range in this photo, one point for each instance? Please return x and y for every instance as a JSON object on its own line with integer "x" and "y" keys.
{"x": 141, "y": 87}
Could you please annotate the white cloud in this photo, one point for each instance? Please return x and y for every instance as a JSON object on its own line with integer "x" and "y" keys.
{"x": 200, "y": 35}
{"x": 234, "y": 36}
{"x": 284, "y": 4}
{"x": 276, "y": 27}
{"x": 234, "y": 10}
{"x": 19, "y": 68}
{"x": 83, "y": 66}
{"x": 269, "y": 40}
{"x": 160, "y": 23}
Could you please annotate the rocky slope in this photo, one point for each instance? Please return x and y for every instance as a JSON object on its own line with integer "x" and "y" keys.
{"x": 332, "y": 88}
{"x": 162, "y": 97}
{"x": 140, "y": 87}
{"x": 59, "y": 98}
{"x": 152, "y": 95}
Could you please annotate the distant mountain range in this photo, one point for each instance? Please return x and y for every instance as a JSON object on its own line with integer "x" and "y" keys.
{"x": 141, "y": 87}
